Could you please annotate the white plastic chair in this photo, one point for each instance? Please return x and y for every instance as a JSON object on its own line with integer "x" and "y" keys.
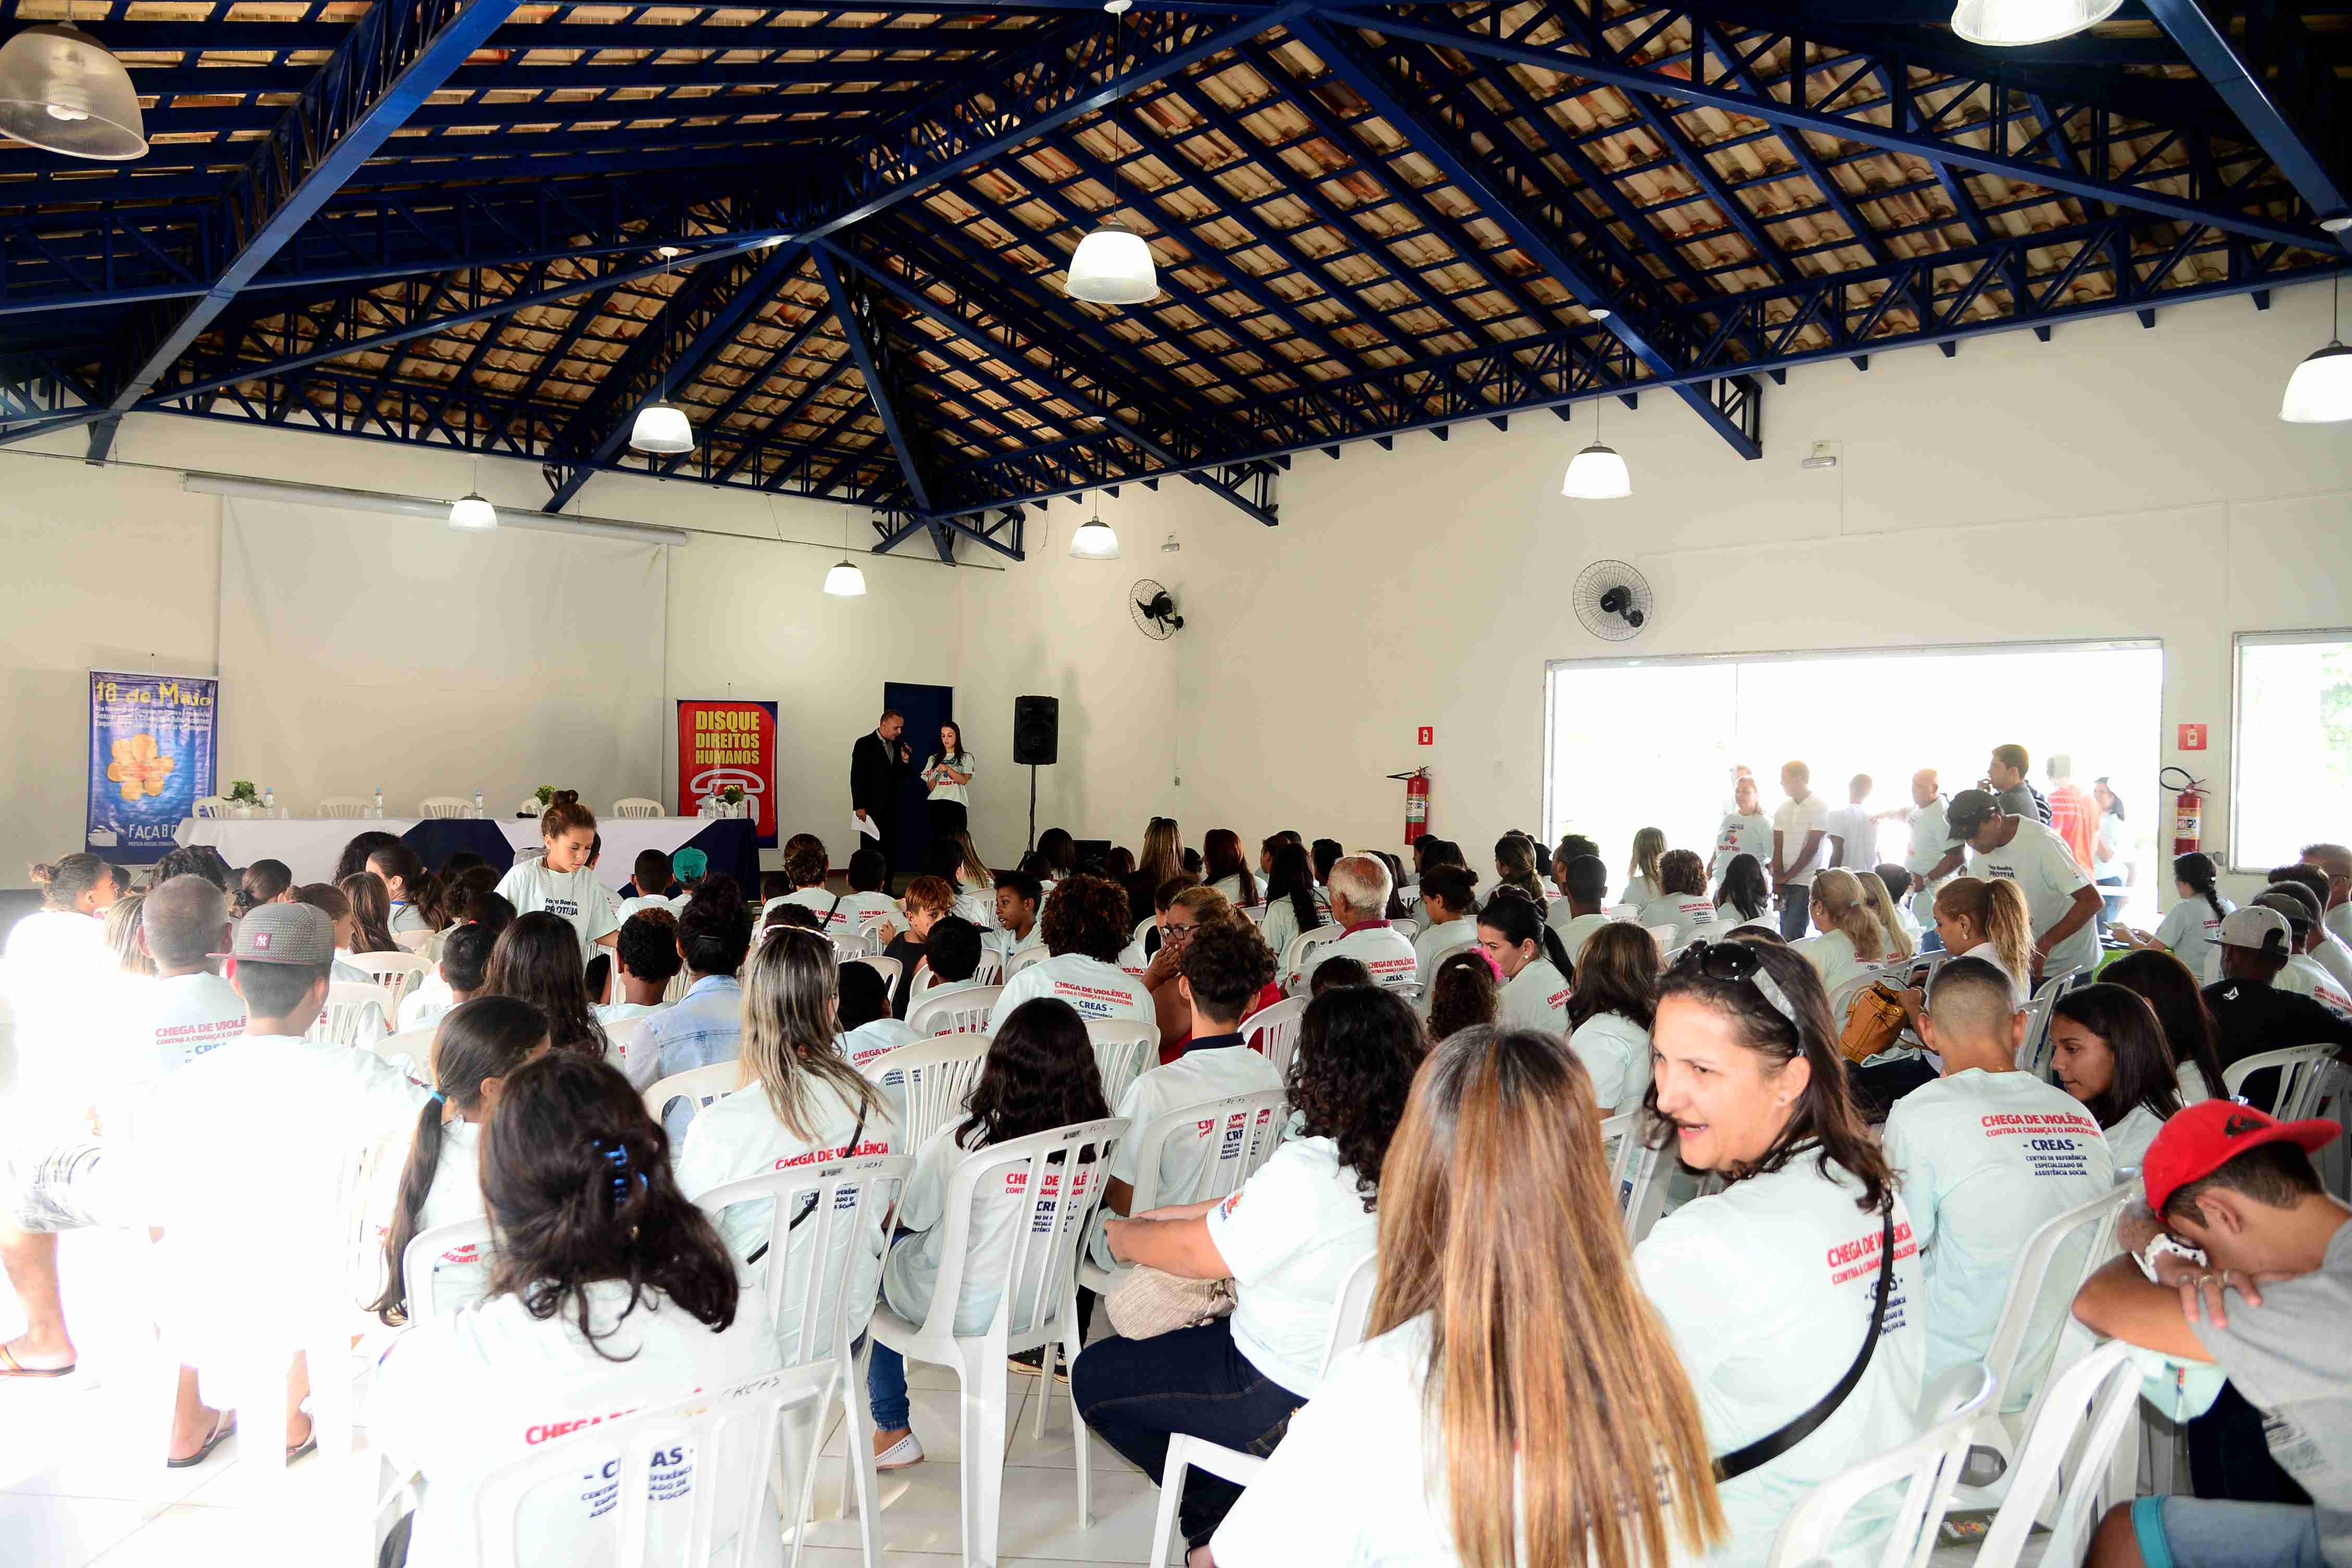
{"x": 1123, "y": 1050}
{"x": 889, "y": 969}
{"x": 2031, "y": 1339}
{"x": 623, "y": 1036}
{"x": 423, "y": 1254}
{"x": 1347, "y": 1321}
{"x": 1245, "y": 1129}
{"x": 701, "y": 1085}
{"x": 354, "y": 1015}
{"x": 959, "y": 1013}
{"x": 849, "y": 944}
{"x": 1634, "y": 1171}
{"x": 1273, "y": 1032}
{"x": 1256, "y": 913}
{"x": 397, "y": 974}
{"x": 2081, "y": 1429}
{"x": 443, "y": 805}
{"x": 530, "y": 806}
{"x": 2303, "y": 1078}
{"x": 1024, "y": 959}
{"x": 341, "y": 806}
{"x": 211, "y": 805}
{"x": 934, "y": 1077}
{"x": 1927, "y": 1468}
{"x": 734, "y": 1435}
{"x": 637, "y": 805}
{"x": 1405, "y": 927}
{"x": 1664, "y": 936}
{"x": 1066, "y": 1169}
{"x": 2034, "y": 1054}
{"x": 1622, "y": 912}
{"x": 414, "y": 940}
{"x": 1144, "y": 928}
{"x": 411, "y": 1052}
{"x": 1294, "y": 957}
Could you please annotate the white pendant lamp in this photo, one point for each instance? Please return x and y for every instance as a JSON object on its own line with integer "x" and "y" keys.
{"x": 1597, "y": 473}
{"x": 62, "y": 92}
{"x": 662, "y": 428}
{"x": 844, "y": 581}
{"x": 1093, "y": 541}
{"x": 2008, "y": 24}
{"x": 1113, "y": 266}
{"x": 2320, "y": 390}
{"x": 471, "y": 513}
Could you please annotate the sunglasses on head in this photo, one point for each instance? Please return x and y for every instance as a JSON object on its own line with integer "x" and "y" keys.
{"x": 1736, "y": 963}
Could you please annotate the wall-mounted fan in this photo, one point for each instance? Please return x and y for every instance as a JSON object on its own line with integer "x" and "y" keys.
{"x": 1154, "y": 608}
{"x": 1612, "y": 600}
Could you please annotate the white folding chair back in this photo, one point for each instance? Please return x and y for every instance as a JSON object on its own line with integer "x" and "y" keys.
{"x": 1633, "y": 1171}
{"x": 1294, "y": 957}
{"x": 935, "y": 1077}
{"x": 624, "y": 1035}
{"x": 1024, "y": 959}
{"x": 958, "y": 1013}
{"x": 424, "y": 1255}
{"x": 2080, "y": 1431}
{"x": 1241, "y": 1132}
{"x": 889, "y": 969}
{"x": 849, "y": 944}
{"x": 414, "y": 940}
{"x": 2301, "y": 1077}
{"x": 990, "y": 970}
{"x": 637, "y": 805}
{"x": 701, "y": 1085}
{"x": 1405, "y": 927}
{"x": 1144, "y": 928}
{"x": 341, "y": 807}
{"x": 397, "y": 974}
{"x": 528, "y": 807}
{"x": 1927, "y": 1468}
{"x": 1622, "y": 912}
{"x": 440, "y": 806}
{"x": 1663, "y": 935}
{"x": 2034, "y": 1054}
{"x": 211, "y": 805}
{"x": 1273, "y": 1032}
{"x": 1065, "y": 1171}
{"x": 1842, "y": 999}
{"x": 354, "y": 1015}
{"x": 661, "y": 1509}
{"x": 410, "y": 1051}
{"x": 1124, "y": 1049}
{"x": 1256, "y": 913}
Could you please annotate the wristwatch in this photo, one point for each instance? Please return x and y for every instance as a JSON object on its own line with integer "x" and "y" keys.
{"x": 2164, "y": 1243}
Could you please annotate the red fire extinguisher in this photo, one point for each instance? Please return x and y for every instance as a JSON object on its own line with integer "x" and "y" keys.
{"x": 1417, "y": 802}
{"x": 2187, "y": 811}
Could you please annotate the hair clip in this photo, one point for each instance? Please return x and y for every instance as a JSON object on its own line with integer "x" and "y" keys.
{"x": 616, "y": 1157}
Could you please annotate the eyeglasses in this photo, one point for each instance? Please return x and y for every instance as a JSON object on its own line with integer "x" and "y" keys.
{"x": 1734, "y": 961}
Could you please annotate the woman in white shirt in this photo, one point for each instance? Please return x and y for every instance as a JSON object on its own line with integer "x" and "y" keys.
{"x": 1040, "y": 1073}
{"x": 1449, "y": 898}
{"x": 1644, "y": 880}
{"x": 1768, "y": 1287}
{"x": 1515, "y": 867}
{"x": 560, "y": 881}
{"x": 1746, "y": 830}
{"x": 1535, "y": 967}
{"x": 1682, "y": 901}
{"x": 1880, "y": 902}
{"x": 1476, "y": 1434}
{"x": 55, "y": 965}
{"x": 1745, "y": 898}
{"x": 609, "y": 1292}
{"x": 533, "y": 959}
{"x": 1225, "y": 868}
{"x": 415, "y": 894}
{"x": 2188, "y": 928}
{"x": 1616, "y": 998}
{"x": 1084, "y": 924}
{"x": 2111, "y": 866}
{"x": 477, "y": 1046}
{"x": 800, "y": 1104}
{"x": 947, "y": 774}
{"x": 1288, "y": 1239}
{"x": 1851, "y": 941}
{"x": 1294, "y": 902}
{"x": 2109, "y": 1052}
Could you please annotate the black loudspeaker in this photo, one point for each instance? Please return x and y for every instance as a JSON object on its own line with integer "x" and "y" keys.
{"x": 1036, "y": 730}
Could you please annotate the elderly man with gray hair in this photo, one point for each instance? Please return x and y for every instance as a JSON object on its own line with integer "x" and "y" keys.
{"x": 1359, "y": 887}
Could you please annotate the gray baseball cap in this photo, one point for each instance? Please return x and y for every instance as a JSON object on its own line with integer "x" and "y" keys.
{"x": 283, "y": 933}
{"x": 2265, "y": 930}
{"x": 1969, "y": 810}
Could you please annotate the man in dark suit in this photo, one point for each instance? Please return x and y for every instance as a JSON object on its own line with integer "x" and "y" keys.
{"x": 876, "y": 766}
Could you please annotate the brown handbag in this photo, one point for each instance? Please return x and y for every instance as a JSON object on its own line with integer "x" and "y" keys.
{"x": 1873, "y": 1021}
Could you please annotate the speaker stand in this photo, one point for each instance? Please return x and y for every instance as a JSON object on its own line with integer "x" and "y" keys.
{"x": 1032, "y": 806}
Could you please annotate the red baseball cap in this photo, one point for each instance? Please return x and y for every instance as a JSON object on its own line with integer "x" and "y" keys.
{"x": 2199, "y": 1141}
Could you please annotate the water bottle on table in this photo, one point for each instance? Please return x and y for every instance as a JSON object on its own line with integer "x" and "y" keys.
{"x": 268, "y": 802}
{"x": 379, "y": 803}
{"x": 478, "y": 812}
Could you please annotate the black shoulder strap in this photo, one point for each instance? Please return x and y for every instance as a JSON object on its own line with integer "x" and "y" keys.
{"x": 835, "y": 910}
{"x": 1772, "y": 1444}
{"x": 808, "y": 1203}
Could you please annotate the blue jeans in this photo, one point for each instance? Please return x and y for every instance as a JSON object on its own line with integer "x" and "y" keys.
{"x": 1136, "y": 1394}
{"x": 886, "y": 1387}
{"x": 1796, "y": 912}
{"x": 2192, "y": 1532}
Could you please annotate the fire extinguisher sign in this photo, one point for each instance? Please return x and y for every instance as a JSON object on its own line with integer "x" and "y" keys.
{"x": 1428, "y": 735}
{"x": 2192, "y": 737}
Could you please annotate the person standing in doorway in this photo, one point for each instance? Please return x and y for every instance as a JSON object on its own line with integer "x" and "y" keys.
{"x": 876, "y": 764}
{"x": 947, "y": 774}
{"x": 1853, "y": 832}
{"x": 2005, "y": 777}
{"x": 1798, "y": 829}
{"x": 2073, "y": 815}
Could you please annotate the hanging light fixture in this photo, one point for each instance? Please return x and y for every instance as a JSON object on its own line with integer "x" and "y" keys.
{"x": 1597, "y": 473}
{"x": 844, "y": 581}
{"x": 471, "y": 513}
{"x": 1112, "y": 266}
{"x": 61, "y": 91}
{"x": 662, "y": 428}
{"x": 2320, "y": 390}
{"x": 2008, "y": 24}
{"x": 1093, "y": 541}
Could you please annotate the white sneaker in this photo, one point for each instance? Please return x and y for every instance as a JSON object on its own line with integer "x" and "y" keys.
{"x": 907, "y": 1450}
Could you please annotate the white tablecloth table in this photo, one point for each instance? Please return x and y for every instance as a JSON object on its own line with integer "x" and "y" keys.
{"x": 310, "y": 845}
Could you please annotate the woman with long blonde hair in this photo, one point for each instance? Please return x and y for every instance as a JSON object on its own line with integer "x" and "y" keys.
{"x": 1850, "y": 938}
{"x": 1974, "y": 914}
{"x": 1880, "y": 905}
{"x": 1644, "y": 880}
{"x": 1518, "y": 1399}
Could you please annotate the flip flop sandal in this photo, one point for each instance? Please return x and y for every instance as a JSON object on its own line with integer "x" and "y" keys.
{"x": 223, "y": 1429}
{"x": 304, "y": 1450}
{"x": 11, "y": 1367}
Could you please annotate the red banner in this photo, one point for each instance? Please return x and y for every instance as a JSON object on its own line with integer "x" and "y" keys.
{"x": 721, "y": 743}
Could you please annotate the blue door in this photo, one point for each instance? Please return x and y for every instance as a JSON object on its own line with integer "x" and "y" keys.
{"x": 926, "y": 708}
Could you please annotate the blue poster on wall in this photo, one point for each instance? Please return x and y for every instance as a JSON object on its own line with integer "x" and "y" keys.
{"x": 151, "y": 740}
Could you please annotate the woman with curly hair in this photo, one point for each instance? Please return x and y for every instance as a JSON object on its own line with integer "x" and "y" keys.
{"x": 1682, "y": 901}
{"x": 1039, "y": 1074}
{"x": 1288, "y": 1239}
{"x": 1463, "y": 993}
{"x": 1085, "y": 928}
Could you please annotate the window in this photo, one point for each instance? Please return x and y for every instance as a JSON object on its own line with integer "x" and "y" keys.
{"x": 2291, "y": 765}
{"x": 1632, "y": 743}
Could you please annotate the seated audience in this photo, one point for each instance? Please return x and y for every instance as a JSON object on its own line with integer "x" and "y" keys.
{"x": 532, "y": 961}
{"x": 2188, "y": 928}
{"x": 2164, "y": 983}
{"x": 563, "y": 881}
{"x": 1295, "y": 902}
{"x": 1526, "y": 953}
{"x": 2250, "y": 1014}
{"x": 1496, "y": 1390}
{"x": 644, "y": 961}
{"x": 2262, "y": 1295}
{"x": 2304, "y": 974}
{"x": 952, "y": 954}
{"x": 1750, "y": 1085}
{"x": 1463, "y": 992}
{"x": 2061, "y": 900}
{"x": 356, "y": 850}
{"x": 1191, "y": 907}
{"x": 1135, "y": 957}
{"x": 866, "y": 1029}
{"x": 1880, "y": 901}
{"x": 371, "y": 913}
{"x": 461, "y": 974}
{"x": 1515, "y": 867}
{"x": 805, "y": 868}
{"x": 415, "y": 894}
{"x": 791, "y": 915}
{"x": 706, "y": 1025}
{"x": 2326, "y": 948}
{"x": 187, "y": 1009}
{"x": 650, "y": 886}
{"x": 1987, "y": 1155}
{"x": 477, "y": 1044}
{"x": 1325, "y": 854}
{"x": 802, "y": 1103}
{"x": 975, "y": 883}
{"x": 1330, "y": 974}
{"x": 190, "y": 860}
{"x": 1359, "y": 890}
{"x": 928, "y": 900}
{"x": 691, "y": 867}
{"x": 1577, "y": 913}
{"x": 1449, "y": 900}
{"x": 262, "y": 883}
{"x": 1609, "y": 1015}
{"x": 1851, "y": 942}
{"x": 1224, "y": 867}
{"x": 1645, "y": 873}
{"x": 471, "y": 903}
{"x": 608, "y": 1291}
{"x": 1085, "y": 927}
{"x": 1274, "y": 844}
{"x": 2109, "y": 1052}
{"x": 122, "y": 923}
{"x": 1039, "y": 1074}
{"x": 332, "y": 903}
{"x": 1019, "y": 897}
{"x": 1745, "y": 898}
{"x": 1976, "y": 918}
{"x": 1681, "y": 900}
{"x": 2334, "y": 863}
{"x": 1288, "y": 1240}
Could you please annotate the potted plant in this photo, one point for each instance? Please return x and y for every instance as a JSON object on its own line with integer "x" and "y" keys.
{"x": 546, "y": 793}
{"x": 733, "y": 797}
{"x": 242, "y": 797}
